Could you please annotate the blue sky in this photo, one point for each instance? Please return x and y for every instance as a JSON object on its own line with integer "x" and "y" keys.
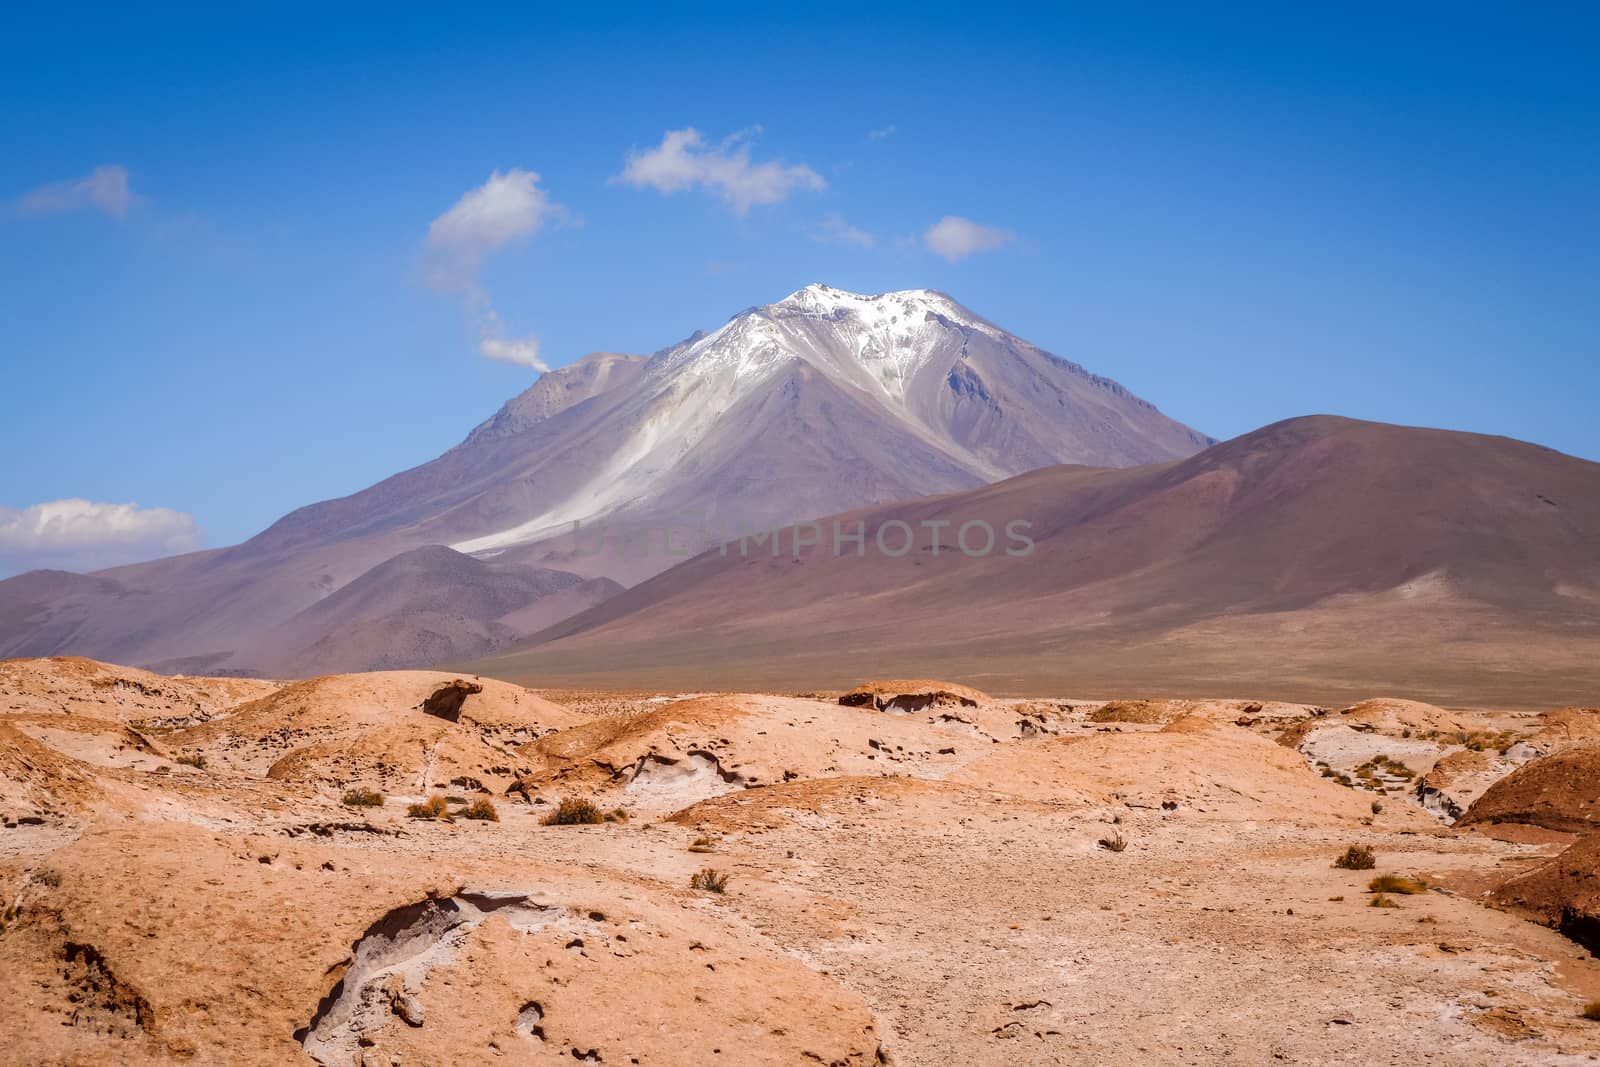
{"x": 1243, "y": 215}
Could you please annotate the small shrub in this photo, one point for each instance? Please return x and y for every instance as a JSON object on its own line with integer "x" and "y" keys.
{"x": 1377, "y": 807}
{"x": 197, "y": 762}
{"x": 1114, "y": 843}
{"x": 483, "y": 810}
{"x": 432, "y": 808}
{"x": 1381, "y": 901}
{"x": 1591, "y": 1011}
{"x": 710, "y": 880}
{"x": 702, "y": 844}
{"x": 616, "y": 815}
{"x": 1357, "y": 858}
{"x": 362, "y": 798}
{"x": 574, "y": 811}
{"x": 1395, "y": 883}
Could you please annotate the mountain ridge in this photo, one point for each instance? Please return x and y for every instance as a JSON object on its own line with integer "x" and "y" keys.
{"x": 1316, "y": 555}
{"x": 819, "y": 402}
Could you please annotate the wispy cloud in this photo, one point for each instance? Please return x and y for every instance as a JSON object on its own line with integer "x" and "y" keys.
{"x": 834, "y": 230}
{"x": 881, "y": 133}
{"x": 504, "y": 210}
{"x": 684, "y": 161}
{"x": 81, "y": 535}
{"x": 955, "y": 238}
{"x": 104, "y": 190}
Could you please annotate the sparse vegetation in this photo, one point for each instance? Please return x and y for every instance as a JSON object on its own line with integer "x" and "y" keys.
{"x": 574, "y": 811}
{"x": 362, "y": 798}
{"x": 197, "y": 762}
{"x": 1474, "y": 740}
{"x": 1396, "y": 883}
{"x": 1488, "y": 740}
{"x": 616, "y": 815}
{"x": 1377, "y": 807}
{"x": 1591, "y": 1011}
{"x": 709, "y": 879}
{"x": 483, "y": 810}
{"x": 1373, "y": 772}
{"x": 432, "y": 808}
{"x": 1381, "y": 901}
{"x": 1357, "y": 858}
{"x": 1114, "y": 843}
{"x": 701, "y": 844}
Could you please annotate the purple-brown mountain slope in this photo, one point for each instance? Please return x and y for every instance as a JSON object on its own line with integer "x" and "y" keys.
{"x": 821, "y": 402}
{"x": 1319, "y": 556}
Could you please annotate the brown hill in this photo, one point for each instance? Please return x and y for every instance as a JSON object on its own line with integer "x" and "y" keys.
{"x": 670, "y": 757}
{"x": 429, "y": 605}
{"x": 1560, "y": 791}
{"x": 74, "y": 685}
{"x": 1317, "y": 558}
{"x": 395, "y": 731}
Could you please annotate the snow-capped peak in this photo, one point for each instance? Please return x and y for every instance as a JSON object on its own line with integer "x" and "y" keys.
{"x": 883, "y": 307}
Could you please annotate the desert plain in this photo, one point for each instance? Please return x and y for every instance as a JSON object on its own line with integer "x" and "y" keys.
{"x": 421, "y": 867}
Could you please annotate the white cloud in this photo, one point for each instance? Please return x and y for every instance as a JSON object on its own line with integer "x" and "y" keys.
{"x": 834, "y": 230}
{"x": 81, "y": 535}
{"x": 105, "y": 190}
{"x": 881, "y": 133}
{"x": 507, "y": 208}
{"x": 954, "y": 237}
{"x": 683, "y": 160}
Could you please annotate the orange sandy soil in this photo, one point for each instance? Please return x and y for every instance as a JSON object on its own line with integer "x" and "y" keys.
{"x": 932, "y": 876}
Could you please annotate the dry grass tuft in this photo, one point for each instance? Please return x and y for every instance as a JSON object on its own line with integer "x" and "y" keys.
{"x": 1396, "y": 883}
{"x": 483, "y": 810}
{"x": 575, "y": 811}
{"x": 362, "y": 798}
{"x": 1357, "y": 858}
{"x": 432, "y": 808}
{"x": 1114, "y": 843}
{"x": 710, "y": 880}
{"x": 1381, "y": 901}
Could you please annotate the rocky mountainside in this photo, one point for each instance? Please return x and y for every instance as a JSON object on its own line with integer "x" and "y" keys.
{"x": 821, "y": 402}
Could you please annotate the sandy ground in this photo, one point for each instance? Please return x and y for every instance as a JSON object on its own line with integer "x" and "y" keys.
{"x": 910, "y": 881}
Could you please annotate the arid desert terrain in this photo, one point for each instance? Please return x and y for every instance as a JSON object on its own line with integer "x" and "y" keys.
{"x": 411, "y": 867}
